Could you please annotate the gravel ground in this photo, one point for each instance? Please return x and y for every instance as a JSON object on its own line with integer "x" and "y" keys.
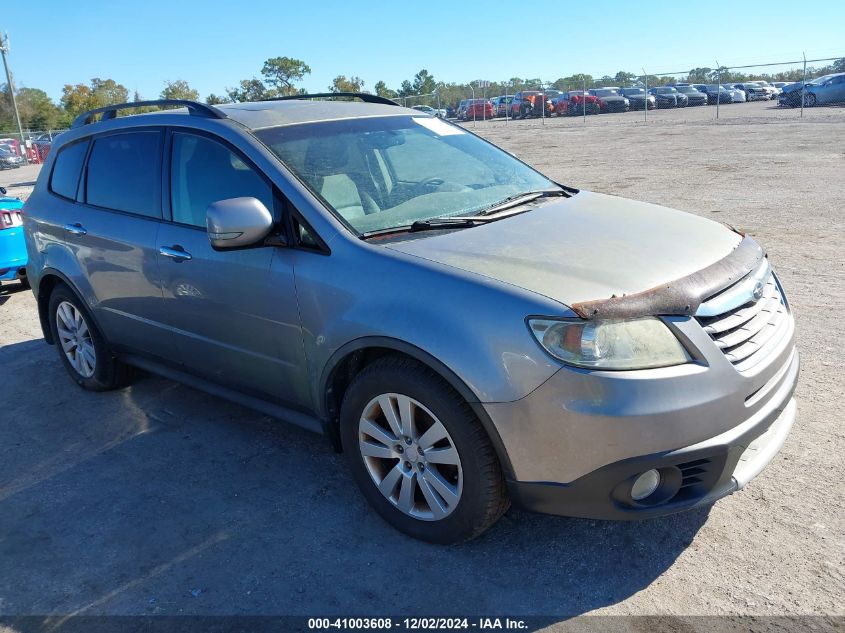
{"x": 162, "y": 500}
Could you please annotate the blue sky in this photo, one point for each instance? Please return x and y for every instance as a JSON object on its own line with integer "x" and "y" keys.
{"x": 213, "y": 44}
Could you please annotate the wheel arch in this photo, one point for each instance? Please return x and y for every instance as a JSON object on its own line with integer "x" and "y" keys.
{"x": 48, "y": 279}
{"x": 348, "y": 360}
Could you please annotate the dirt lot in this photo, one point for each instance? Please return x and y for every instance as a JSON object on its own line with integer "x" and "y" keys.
{"x": 162, "y": 500}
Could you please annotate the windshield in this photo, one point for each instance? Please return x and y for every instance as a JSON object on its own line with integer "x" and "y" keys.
{"x": 686, "y": 89}
{"x": 604, "y": 93}
{"x": 384, "y": 172}
{"x": 665, "y": 91}
{"x": 632, "y": 91}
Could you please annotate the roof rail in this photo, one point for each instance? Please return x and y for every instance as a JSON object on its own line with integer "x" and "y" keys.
{"x": 363, "y": 96}
{"x": 110, "y": 111}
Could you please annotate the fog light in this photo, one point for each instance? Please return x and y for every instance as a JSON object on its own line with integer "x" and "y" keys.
{"x": 645, "y": 484}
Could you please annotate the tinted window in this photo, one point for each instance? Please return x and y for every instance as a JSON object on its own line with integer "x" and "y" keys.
{"x": 66, "y": 170}
{"x": 123, "y": 173}
{"x": 204, "y": 171}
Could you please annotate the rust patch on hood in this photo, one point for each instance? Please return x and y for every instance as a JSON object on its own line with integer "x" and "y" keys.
{"x": 682, "y": 296}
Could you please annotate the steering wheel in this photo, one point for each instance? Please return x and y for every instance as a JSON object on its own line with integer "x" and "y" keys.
{"x": 433, "y": 182}
{"x": 441, "y": 185}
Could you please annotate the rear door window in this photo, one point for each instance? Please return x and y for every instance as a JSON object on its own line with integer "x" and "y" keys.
{"x": 124, "y": 173}
{"x": 64, "y": 180}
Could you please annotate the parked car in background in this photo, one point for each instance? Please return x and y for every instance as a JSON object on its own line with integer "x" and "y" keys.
{"x": 13, "y": 144}
{"x": 779, "y": 85}
{"x": 668, "y": 97}
{"x": 769, "y": 89}
{"x": 790, "y": 94}
{"x": 753, "y": 91}
{"x": 610, "y": 100}
{"x": 639, "y": 98}
{"x": 830, "y": 90}
{"x": 9, "y": 159}
{"x": 553, "y": 95}
{"x": 530, "y": 103}
{"x": 694, "y": 96}
{"x": 737, "y": 95}
{"x": 501, "y": 104}
{"x": 716, "y": 93}
{"x": 522, "y": 341}
{"x": 575, "y": 102}
{"x": 478, "y": 109}
{"x": 13, "y": 256}
{"x": 462, "y": 106}
{"x": 440, "y": 113}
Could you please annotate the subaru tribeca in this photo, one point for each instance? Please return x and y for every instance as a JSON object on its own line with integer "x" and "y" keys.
{"x": 468, "y": 332}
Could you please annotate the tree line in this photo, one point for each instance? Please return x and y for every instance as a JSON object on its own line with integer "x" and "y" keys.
{"x": 279, "y": 76}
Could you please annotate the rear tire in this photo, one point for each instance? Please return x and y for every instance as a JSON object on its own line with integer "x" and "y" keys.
{"x": 392, "y": 411}
{"x": 82, "y": 349}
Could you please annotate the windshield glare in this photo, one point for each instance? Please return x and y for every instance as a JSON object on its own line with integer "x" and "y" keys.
{"x": 384, "y": 172}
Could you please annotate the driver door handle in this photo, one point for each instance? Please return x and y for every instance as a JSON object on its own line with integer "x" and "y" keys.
{"x": 175, "y": 252}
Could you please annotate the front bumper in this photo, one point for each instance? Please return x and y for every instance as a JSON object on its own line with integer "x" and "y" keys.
{"x": 690, "y": 477}
{"x": 578, "y": 441}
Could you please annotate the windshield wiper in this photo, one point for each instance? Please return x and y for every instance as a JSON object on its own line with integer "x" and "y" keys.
{"x": 431, "y": 224}
{"x": 521, "y": 198}
{"x": 447, "y": 223}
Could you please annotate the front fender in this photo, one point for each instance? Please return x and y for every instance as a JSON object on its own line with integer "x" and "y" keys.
{"x": 473, "y": 326}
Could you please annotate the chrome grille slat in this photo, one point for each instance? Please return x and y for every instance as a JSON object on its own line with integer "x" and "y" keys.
{"x": 748, "y": 330}
{"x": 744, "y": 350}
{"x": 769, "y": 299}
{"x": 745, "y": 334}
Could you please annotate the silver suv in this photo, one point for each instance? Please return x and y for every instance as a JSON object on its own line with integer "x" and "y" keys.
{"x": 467, "y": 331}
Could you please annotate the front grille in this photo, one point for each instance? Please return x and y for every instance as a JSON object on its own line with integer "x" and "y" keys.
{"x": 748, "y": 333}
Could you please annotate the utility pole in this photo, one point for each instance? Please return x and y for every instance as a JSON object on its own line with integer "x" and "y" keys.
{"x": 4, "y": 48}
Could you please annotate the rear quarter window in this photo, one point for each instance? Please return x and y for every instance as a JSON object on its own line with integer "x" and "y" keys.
{"x": 67, "y": 168}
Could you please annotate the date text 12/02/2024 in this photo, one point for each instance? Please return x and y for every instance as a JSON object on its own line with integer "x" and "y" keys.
{"x": 412, "y": 624}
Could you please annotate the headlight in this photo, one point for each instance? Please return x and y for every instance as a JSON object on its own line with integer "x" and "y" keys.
{"x": 610, "y": 344}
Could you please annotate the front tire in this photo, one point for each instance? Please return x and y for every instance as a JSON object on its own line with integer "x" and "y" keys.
{"x": 82, "y": 348}
{"x": 419, "y": 454}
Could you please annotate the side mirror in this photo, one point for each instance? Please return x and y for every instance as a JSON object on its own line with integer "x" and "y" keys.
{"x": 237, "y": 222}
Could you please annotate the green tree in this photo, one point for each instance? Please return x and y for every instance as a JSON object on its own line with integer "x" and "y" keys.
{"x": 424, "y": 83}
{"x": 36, "y": 109}
{"x": 624, "y": 79}
{"x": 574, "y": 82}
{"x": 383, "y": 91}
{"x": 281, "y": 73}
{"x": 101, "y": 92}
{"x": 250, "y": 90}
{"x": 179, "y": 89}
{"x": 214, "y": 99}
{"x": 342, "y": 84}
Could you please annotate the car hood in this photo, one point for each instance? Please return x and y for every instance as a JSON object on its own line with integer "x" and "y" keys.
{"x": 591, "y": 246}
{"x": 615, "y": 98}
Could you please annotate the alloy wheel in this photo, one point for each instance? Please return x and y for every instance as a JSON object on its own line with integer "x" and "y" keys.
{"x": 75, "y": 339}
{"x": 410, "y": 457}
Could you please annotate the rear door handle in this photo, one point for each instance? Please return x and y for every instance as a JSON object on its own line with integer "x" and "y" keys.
{"x": 176, "y": 253}
{"x": 76, "y": 229}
